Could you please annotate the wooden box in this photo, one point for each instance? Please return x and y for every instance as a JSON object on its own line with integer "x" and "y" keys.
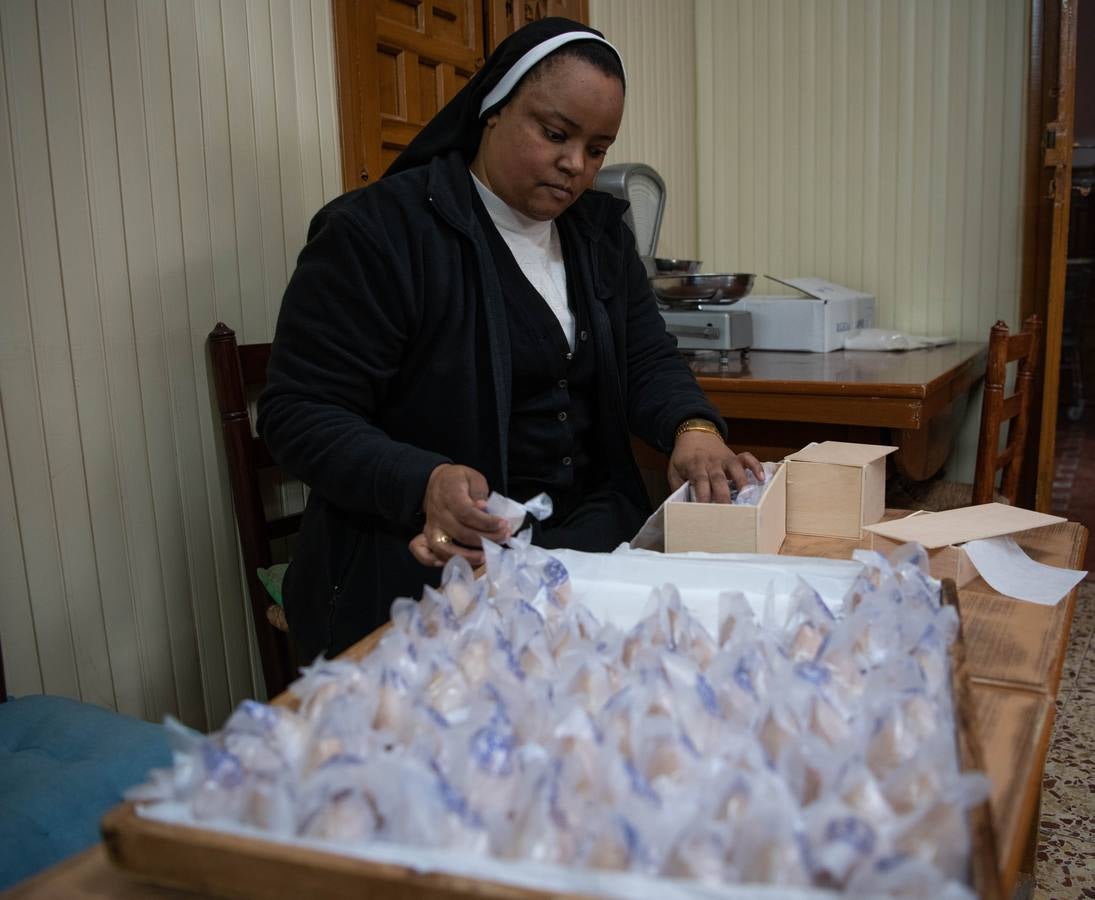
{"x": 942, "y": 534}
{"x": 725, "y": 528}
{"x": 949, "y": 561}
{"x": 834, "y": 488}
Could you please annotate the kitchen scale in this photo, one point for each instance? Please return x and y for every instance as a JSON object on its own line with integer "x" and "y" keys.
{"x": 696, "y": 307}
{"x": 698, "y": 310}
{"x": 714, "y": 328}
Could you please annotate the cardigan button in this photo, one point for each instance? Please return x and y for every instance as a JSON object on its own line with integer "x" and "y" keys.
{"x": 563, "y": 383}
{"x": 569, "y": 357}
{"x": 562, "y": 417}
{"x": 567, "y": 460}
{"x": 584, "y": 336}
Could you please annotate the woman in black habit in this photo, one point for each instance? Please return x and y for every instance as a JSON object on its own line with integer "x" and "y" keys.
{"x": 477, "y": 320}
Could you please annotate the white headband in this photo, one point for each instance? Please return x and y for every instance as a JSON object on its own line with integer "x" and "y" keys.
{"x": 537, "y": 53}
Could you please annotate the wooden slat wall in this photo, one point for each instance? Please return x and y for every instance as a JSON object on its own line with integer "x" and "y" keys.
{"x": 871, "y": 142}
{"x": 656, "y": 39}
{"x": 159, "y": 162}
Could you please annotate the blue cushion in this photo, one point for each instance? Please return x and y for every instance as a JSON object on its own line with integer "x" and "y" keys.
{"x": 63, "y": 764}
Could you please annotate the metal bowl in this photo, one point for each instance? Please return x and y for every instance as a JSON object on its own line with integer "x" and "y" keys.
{"x": 664, "y": 266}
{"x": 692, "y": 290}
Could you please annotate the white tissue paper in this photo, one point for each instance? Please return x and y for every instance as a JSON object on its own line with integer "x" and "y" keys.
{"x": 1009, "y": 571}
{"x": 615, "y": 586}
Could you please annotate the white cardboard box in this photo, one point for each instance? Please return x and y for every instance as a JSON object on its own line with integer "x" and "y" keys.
{"x": 943, "y": 533}
{"x": 818, "y": 322}
{"x": 681, "y": 525}
{"x": 835, "y": 488}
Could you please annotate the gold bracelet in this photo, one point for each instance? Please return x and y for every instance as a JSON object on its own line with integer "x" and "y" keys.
{"x": 697, "y": 425}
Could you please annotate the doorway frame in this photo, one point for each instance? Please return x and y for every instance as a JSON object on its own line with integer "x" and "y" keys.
{"x": 1051, "y": 96}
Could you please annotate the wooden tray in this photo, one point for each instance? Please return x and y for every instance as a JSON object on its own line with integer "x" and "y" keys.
{"x": 226, "y": 865}
{"x": 984, "y": 864}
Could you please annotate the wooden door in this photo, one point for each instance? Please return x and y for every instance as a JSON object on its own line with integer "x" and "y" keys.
{"x": 506, "y": 16}
{"x": 1051, "y": 98}
{"x": 399, "y": 62}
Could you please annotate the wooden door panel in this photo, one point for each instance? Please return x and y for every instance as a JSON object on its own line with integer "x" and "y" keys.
{"x": 391, "y": 88}
{"x": 451, "y": 80}
{"x": 505, "y": 16}
{"x": 426, "y": 46}
{"x": 410, "y": 91}
{"x": 451, "y": 21}
{"x": 400, "y": 134}
{"x": 412, "y": 81}
{"x": 407, "y": 13}
{"x": 438, "y": 27}
{"x": 394, "y": 138}
{"x": 388, "y": 154}
{"x": 429, "y": 90}
{"x": 400, "y": 61}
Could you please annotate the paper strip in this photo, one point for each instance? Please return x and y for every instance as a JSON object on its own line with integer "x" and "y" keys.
{"x": 1009, "y": 571}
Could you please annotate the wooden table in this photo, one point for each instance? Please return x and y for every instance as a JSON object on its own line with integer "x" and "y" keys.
{"x": 1015, "y": 653}
{"x": 776, "y": 402}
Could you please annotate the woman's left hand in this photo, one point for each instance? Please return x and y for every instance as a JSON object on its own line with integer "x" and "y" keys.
{"x": 703, "y": 459}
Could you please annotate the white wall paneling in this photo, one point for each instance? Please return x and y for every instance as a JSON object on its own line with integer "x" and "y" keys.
{"x": 873, "y": 143}
{"x": 657, "y": 41}
{"x": 159, "y": 162}
{"x": 870, "y": 142}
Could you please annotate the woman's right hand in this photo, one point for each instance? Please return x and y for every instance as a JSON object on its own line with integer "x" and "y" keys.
{"x": 456, "y": 518}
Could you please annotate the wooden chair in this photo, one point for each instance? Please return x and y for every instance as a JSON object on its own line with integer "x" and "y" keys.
{"x": 237, "y": 370}
{"x": 996, "y": 410}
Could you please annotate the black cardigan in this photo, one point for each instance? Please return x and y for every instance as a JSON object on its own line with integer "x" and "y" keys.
{"x": 392, "y": 356}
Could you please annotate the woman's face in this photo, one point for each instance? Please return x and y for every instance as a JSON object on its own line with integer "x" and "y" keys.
{"x": 546, "y": 145}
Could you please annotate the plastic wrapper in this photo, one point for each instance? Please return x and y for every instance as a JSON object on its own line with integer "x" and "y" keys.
{"x": 499, "y": 716}
{"x": 886, "y": 339}
{"x": 539, "y": 507}
{"x": 335, "y": 805}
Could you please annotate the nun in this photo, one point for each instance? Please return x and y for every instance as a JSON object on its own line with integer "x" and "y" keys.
{"x": 477, "y": 320}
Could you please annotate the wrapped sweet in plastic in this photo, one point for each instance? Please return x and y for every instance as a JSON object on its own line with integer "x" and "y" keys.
{"x": 499, "y": 716}
{"x": 335, "y": 805}
{"x": 751, "y": 494}
{"x": 539, "y": 507}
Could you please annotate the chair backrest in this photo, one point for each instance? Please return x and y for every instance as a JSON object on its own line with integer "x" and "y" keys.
{"x": 998, "y": 409}
{"x": 240, "y": 369}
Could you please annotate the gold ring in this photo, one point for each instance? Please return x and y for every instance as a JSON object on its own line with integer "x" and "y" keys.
{"x": 442, "y": 538}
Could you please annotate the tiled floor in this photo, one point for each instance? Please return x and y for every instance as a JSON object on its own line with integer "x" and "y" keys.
{"x": 1066, "y": 845}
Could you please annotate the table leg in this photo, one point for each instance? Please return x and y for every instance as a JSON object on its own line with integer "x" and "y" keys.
{"x": 1025, "y": 883}
{"x": 921, "y": 453}
{"x": 1030, "y": 850}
